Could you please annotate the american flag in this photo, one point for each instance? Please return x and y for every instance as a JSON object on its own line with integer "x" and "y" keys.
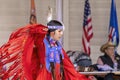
{"x": 87, "y": 28}
{"x": 113, "y": 27}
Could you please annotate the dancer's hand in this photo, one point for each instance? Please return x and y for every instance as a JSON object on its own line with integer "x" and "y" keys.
{"x": 45, "y": 29}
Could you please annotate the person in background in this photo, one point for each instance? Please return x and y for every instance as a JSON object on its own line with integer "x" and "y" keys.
{"x": 81, "y": 60}
{"x": 110, "y": 61}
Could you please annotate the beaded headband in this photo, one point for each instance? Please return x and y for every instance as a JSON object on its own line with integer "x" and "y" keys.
{"x": 56, "y": 27}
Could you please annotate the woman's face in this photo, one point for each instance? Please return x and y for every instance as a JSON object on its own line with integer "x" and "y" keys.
{"x": 57, "y": 34}
{"x": 110, "y": 51}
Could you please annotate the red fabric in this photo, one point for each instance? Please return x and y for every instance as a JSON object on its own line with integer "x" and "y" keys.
{"x": 43, "y": 74}
{"x": 69, "y": 70}
{"x": 57, "y": 72}
{"x": 28, "y": 59}
{"x": 11, "y": 54}
{"x": 31, "y": 56}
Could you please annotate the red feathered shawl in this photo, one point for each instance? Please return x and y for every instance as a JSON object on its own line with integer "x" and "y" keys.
{"x": 23, "y": 54}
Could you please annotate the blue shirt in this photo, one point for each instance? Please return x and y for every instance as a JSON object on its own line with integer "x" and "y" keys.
{"x": 53, "y": 52}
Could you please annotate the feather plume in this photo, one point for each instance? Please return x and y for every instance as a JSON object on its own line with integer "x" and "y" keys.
{"x": 49, "y": 16}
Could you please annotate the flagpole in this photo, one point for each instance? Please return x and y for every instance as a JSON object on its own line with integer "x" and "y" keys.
{"x": 33, "y": 19}
{"x": 59, "y": 12}
{"x": 59, "y": 9}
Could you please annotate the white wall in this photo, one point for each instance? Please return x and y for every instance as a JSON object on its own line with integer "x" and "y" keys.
{"x": 15, "y": 13}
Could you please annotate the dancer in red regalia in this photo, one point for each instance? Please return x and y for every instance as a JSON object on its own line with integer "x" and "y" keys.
{"x": 34, "y": 52}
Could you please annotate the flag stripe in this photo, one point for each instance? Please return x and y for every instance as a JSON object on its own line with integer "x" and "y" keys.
{"x": 83, "y": 41}
{"x": 111, "y": 33}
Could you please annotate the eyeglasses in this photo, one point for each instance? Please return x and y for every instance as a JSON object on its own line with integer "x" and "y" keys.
{"x": 111, "y": 48}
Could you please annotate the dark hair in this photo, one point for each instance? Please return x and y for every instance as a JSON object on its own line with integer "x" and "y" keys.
{"x": 83, "y": 59}
{"x": 53, "y": 23}
{"x": 80, "y": 58}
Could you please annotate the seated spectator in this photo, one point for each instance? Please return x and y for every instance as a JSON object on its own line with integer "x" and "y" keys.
{"x": 110, "y": 61}
{"x": 82, "y": 62}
